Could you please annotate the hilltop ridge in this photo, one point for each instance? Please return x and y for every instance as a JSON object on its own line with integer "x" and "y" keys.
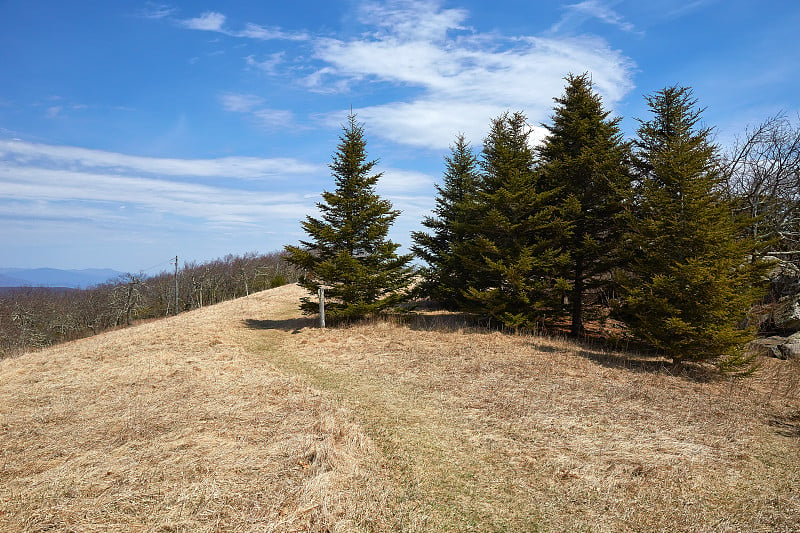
{"x": 244, "y": 416}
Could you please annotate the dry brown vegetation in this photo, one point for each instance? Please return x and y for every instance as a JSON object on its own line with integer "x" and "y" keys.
{"x": 244, "y": 417}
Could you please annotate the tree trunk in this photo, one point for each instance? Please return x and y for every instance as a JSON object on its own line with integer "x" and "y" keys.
{"x": 576, "y": 328}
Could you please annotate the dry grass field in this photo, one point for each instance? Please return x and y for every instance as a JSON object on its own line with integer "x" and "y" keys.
{"x": 244, "y": 417}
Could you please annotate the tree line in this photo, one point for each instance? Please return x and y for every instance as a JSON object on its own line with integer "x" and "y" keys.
{"x": 35, "y": 317}
{"x": 664, "y": 232}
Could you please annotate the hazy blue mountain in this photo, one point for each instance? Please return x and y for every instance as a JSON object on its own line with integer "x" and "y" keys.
{"x": 53, "y": 277}
{"x": 9, "y": 281}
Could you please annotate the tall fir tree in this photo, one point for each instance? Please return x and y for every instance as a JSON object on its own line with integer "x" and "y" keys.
{"x": 446, "y": 278}
{"x": 349, "y": 252}
{"x": 513, "y": 253}
{"x": 584, "y": 154}
{"x": 689, "y": 282}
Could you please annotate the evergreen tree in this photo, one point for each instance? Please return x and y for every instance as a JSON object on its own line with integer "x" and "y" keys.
{"x": 445, "y": 278}
{"x": 349, "y": 253}
{"x": 585, "y": 155}
{"x": 514, "y": 255}
{"x": 689, "y": 281}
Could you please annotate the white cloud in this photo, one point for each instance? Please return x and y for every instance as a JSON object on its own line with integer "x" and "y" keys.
{"x": 465, "y": 78}
{"x": 240, "y": 103}
{"x": 214, "y": 21}
{"x": 396, "y": 181}
{"x": 225, "y": 167}
{"x": 255, "y": 31}
{"x": 83, "y": 203}
{"x": 273, "y": 118}
{"x": 53, "y": 112}
{"x": 414, "y": 19}
{"x": 208, "y": 21}
{"x": 591, "y": 9}
{"x": 429, "y": 123}
{"x": 269, "y": 65}
{"x": 156, "y": 11}
{"x": 252, "y": 105}
{"x": 103, "y": 193}
{"x": 58, "y": 194}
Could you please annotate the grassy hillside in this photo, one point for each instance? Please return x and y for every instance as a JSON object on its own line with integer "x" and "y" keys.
{"x": 241, "y": 417}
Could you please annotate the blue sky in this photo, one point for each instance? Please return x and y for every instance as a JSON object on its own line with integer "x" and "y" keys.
{"x": 131, "y": 132}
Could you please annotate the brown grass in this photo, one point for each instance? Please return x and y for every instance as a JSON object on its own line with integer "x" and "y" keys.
{"x": 174, "y": 426}
{"x": 242, "y": 417}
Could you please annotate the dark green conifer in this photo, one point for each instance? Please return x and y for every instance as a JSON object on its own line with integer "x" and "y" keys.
{"x": 585, "y": 156}
{"x": 445, "y": 278}
{"x": 514, "y": 253}
{"x": 349, "y": 253}
{"x": 689, "y": 282}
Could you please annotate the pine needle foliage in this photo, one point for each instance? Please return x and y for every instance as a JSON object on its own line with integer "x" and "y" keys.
{"x": 349, "y": 253}
{"x": 689, "y": 281}
{"x": 584, "y": 154}
{"x": 514, "y": 251}
{"x": 445, "y": 278}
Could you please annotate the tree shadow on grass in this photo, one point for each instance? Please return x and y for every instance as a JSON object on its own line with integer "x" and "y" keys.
{"x": 292, "y": 325}
{"x": 788, "y": 426}
{"x": 626, "y": 354}
{"x": 611, "y": 356}
{"x": 624, "y": 360}
{"x": 445, "y": 322}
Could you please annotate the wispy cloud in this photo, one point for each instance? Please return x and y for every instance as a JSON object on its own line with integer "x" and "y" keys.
{"x": 396, "y": 182}
{"x": 255, "y": 31}
{"x": 253, "y": 105}
{"x": 577, "y": 14}
{"x": 44, "y": 155}
{"x": 240, "y": 103}
{"x": 679, "y": 8}
{"x": 208, "y": 21}
{"x": 273, "y": 118}
{"x": 214, "y": 21}
{"x": 53, "y": 195}
{"x": 414, "y": 19}
{"x": 269, "y": 65}
{"x": 466, "y": 77}
{"x": 156, "y": 11}
{"x": 151, "y": 194}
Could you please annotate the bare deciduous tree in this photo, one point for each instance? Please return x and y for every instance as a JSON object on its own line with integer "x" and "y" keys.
{"x": 34, "y": 317}
{"x": 762, "y": 172}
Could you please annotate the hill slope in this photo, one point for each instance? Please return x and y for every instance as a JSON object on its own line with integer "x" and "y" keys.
{"x": 240, "y": 417}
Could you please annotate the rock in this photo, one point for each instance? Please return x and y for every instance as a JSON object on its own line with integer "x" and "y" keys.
{"x": 790, "y": 350}
{"x": 768, "y": 346}
{"x": 777, "y": 347}
{"x": 786, "y": 315}
{"x": 784, "y": 277}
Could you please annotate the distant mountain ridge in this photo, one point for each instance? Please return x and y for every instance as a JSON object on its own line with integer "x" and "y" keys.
{"x": 54, "y": 277}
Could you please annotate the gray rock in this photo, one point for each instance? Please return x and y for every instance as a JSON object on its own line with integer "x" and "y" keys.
{"x": 768, "y": 346}
{"x": 784, "y": 277}
{"x": 790, "y": 350}
{"x": 786, "y": 315}
{"x": 777, "y": 347}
